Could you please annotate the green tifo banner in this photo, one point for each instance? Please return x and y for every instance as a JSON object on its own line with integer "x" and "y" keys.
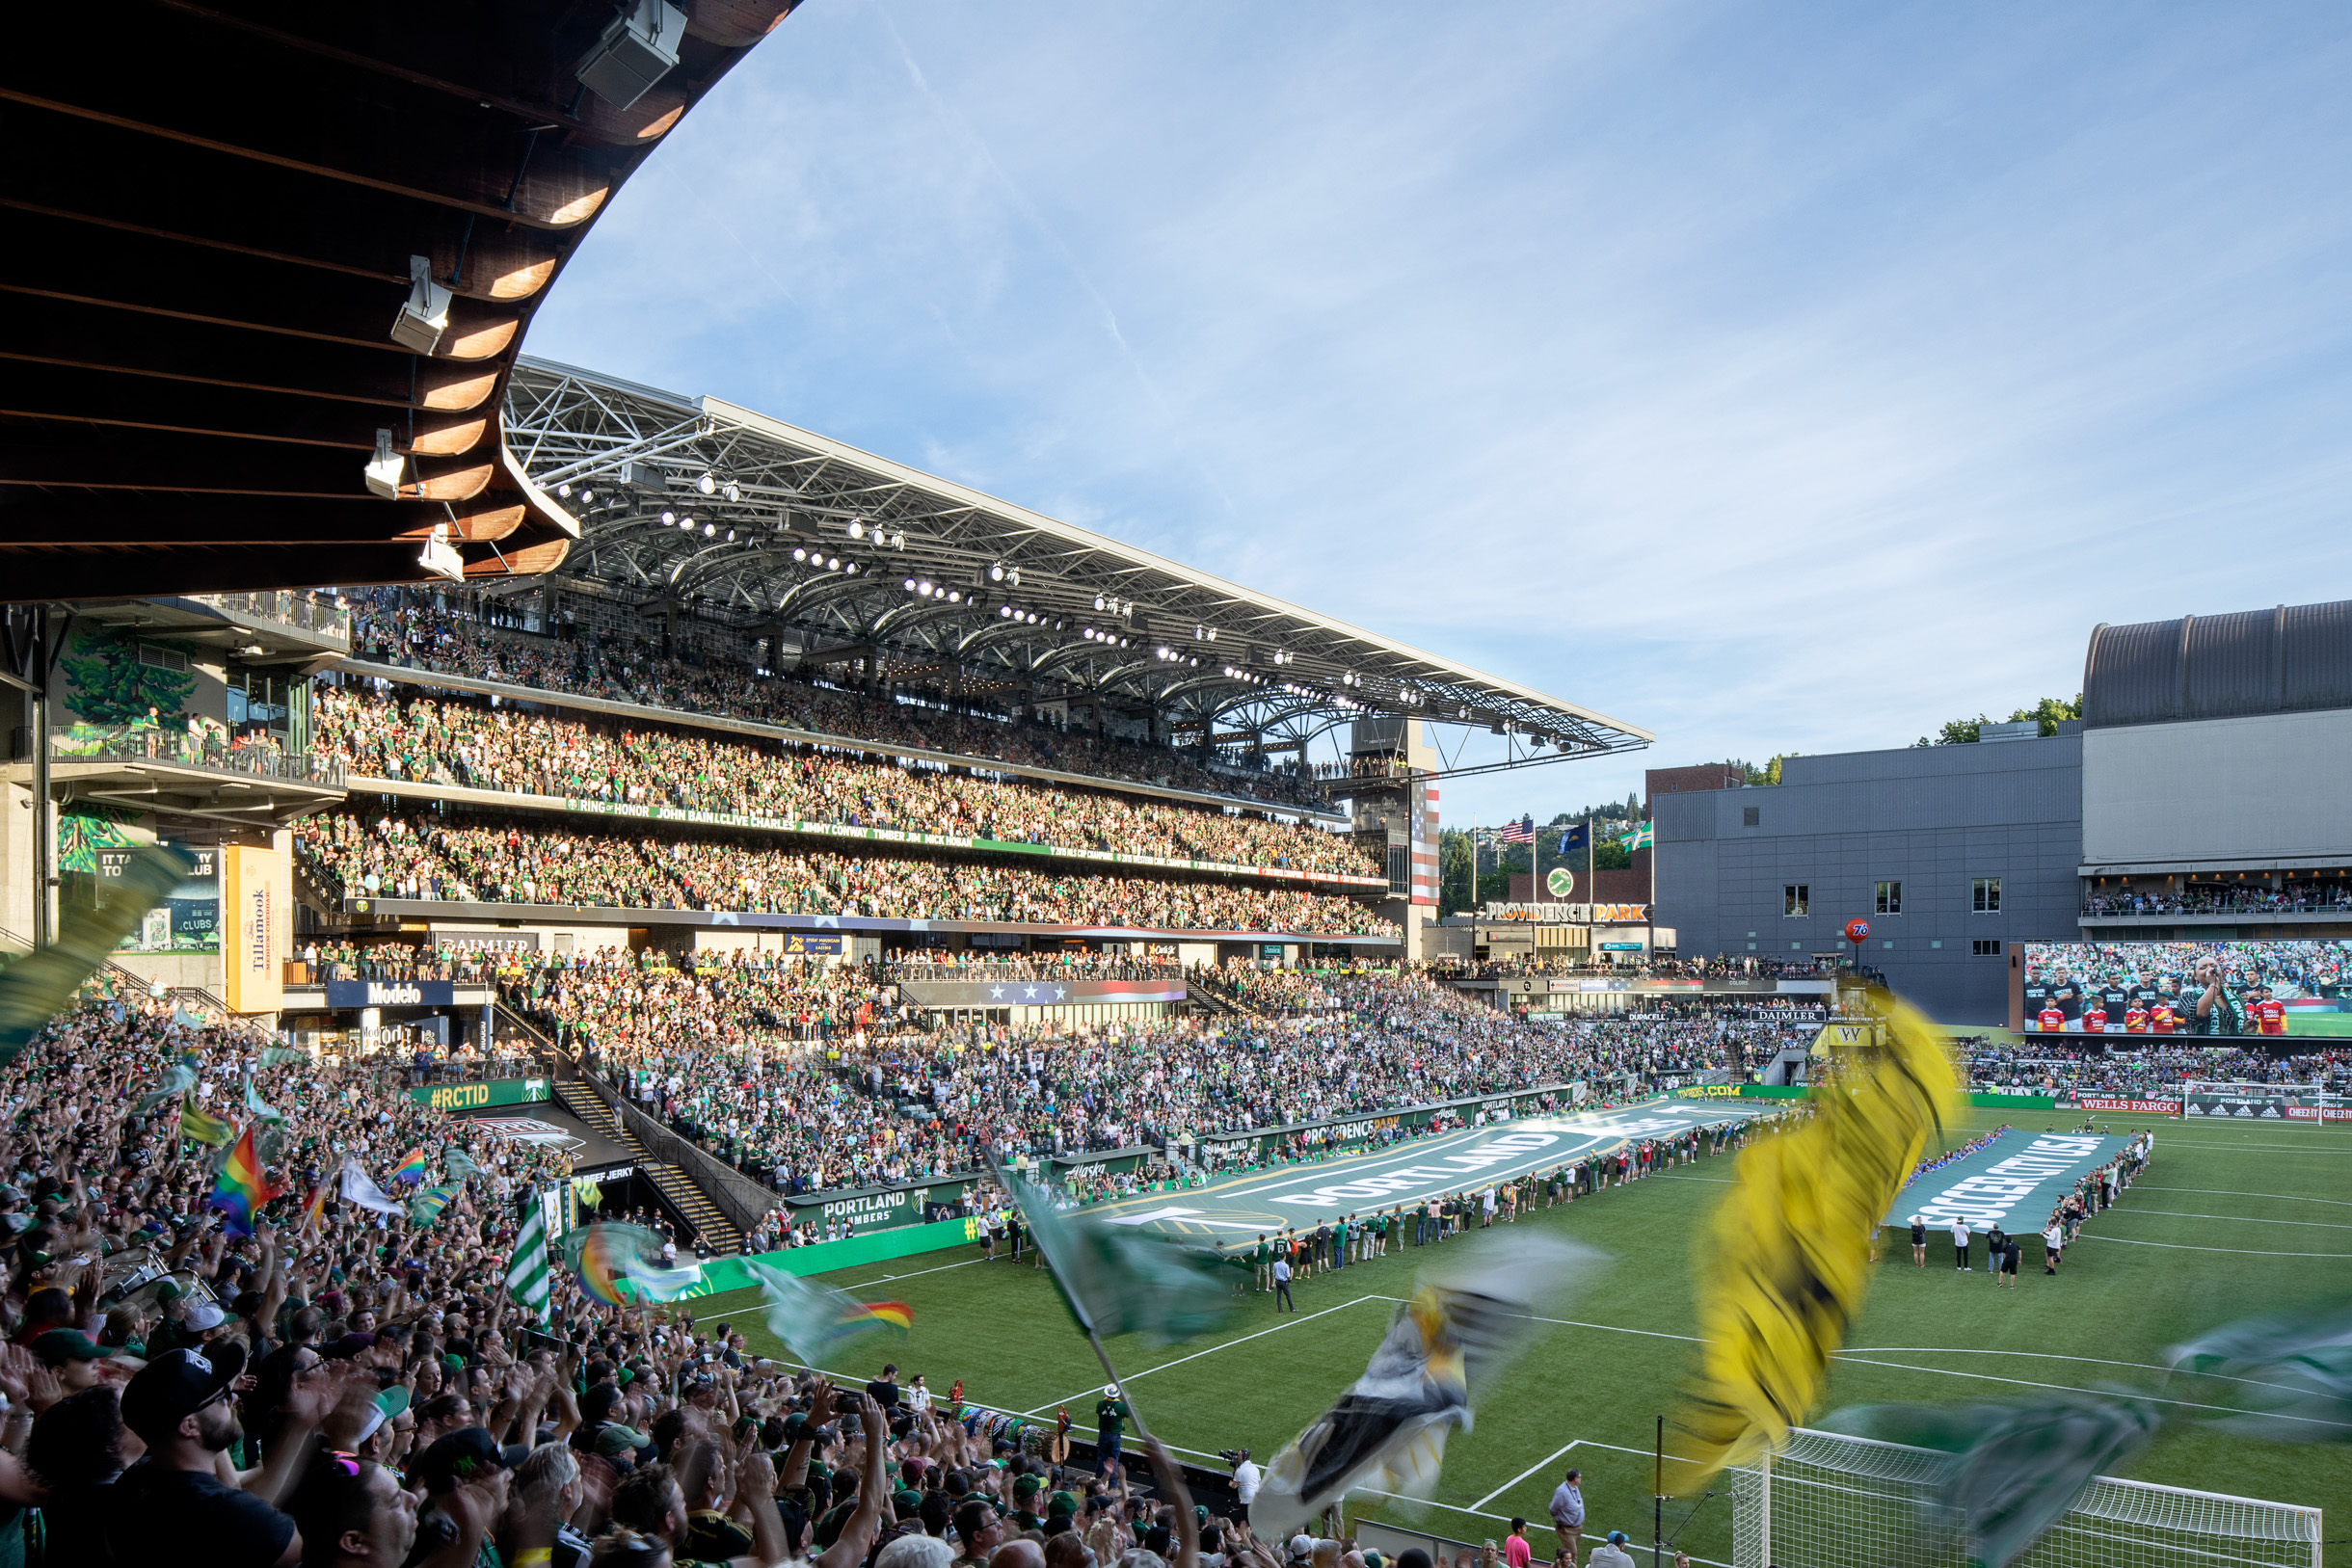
{"x": 2013, "y": 1181}
{"x": 470, "y": 1096}
{"x": 723, "y": 1274}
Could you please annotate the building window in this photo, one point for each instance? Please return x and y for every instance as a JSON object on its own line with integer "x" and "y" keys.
{"x": 1985, "y": 948}
{"x": 1401, "y": 868}
{"x": 1795, "y": 898}
{"x": 163, "y": 658}
{"x": 1890, "y": 898}
{"x": 1751, "y": 815}
{"x": 1752, "y": 946}
{"x": 1985, "y": 895}
{"x": 1888, "y": 943}
{"x": 1934, "y": 945}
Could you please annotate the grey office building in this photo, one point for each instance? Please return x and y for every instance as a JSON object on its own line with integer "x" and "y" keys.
{"x": 1949, "y": 852}
{"x": 2201, "y": 797}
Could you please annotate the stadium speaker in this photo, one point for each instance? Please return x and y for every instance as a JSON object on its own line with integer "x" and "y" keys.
{"x": 386, "y": 470}
{"x": 425, "y": 315}
{"x": 636, "y": 51}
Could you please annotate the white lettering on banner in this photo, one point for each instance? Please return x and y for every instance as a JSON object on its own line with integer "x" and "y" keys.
{"x": 393, "y": 993}
{"x": 1494, "y": 1151}
{"x": 1990, "y": 1194}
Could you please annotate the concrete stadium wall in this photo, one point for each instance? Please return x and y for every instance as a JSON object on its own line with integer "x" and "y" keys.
{"x": 2248, "y": 792}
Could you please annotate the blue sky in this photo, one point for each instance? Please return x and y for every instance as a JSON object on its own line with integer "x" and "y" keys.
{"x": 1771, "y": 378}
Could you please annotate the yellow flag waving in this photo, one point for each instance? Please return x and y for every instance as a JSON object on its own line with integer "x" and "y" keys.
{"x": 1787, "y": 1258}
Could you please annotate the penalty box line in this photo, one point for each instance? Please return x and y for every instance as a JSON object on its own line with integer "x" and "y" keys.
{"x": 1295, "y": 1318}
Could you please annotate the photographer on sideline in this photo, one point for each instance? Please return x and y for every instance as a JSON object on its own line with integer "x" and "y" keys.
{"x": 1245, "y": 1478}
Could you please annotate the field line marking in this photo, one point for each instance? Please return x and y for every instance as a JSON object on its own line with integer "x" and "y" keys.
{"x": 1549, "y": 1458}
{"x": 1718, "y": 1180}
{"x": 2157, "y": 1398}
{"x": 1294, "y": 1321}
{"x": 2182, "y": 1246}
{"x": 2041, "y": 1355}
{"x": 1570, "y": 1323}
{"x": 2236, "y": 1219}
{"x": 2240, "y": 1192}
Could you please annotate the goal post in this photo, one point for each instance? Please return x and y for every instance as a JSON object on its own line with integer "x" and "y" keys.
{"x": 1823, "y": 1500}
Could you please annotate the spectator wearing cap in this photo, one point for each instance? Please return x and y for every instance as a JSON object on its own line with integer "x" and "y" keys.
{"x": 1612, "y": 1553}
{"x": 464, "y": 1472}
{"x": 353, "y": 1513}
{"x": 173, "y": 1505}
{"x": 78, "y": 1363}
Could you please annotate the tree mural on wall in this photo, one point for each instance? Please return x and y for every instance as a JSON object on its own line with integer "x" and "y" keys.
{"x": 111, "y": 687}
{"x": 85, "y": 827}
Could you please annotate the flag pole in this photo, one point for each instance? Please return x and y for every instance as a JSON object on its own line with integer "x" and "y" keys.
{"x": 1591, "y": 893}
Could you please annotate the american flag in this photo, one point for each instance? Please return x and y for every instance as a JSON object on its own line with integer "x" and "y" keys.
{"x": 1521, "y": 831}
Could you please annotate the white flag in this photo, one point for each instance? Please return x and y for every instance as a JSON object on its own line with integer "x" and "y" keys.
{"x": 359, "y": 1188}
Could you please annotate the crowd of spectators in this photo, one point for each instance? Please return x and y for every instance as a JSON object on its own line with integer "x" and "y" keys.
{"x": 721, "y": 1050}
{"x": 346, "y": 1388}
{"x": 478, "y": 747}
{"x": 2287, "y": 898}
{"x": 709, "y": 671}
{"x": 2138, "y": 1067}
{"x": 490, "y": 859}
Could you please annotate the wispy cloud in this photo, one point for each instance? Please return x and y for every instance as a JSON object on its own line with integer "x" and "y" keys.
{"x": 1769, "y": 380}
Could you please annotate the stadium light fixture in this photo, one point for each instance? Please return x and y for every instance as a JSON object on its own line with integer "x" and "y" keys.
{"x": 1099, "y": 602}
{"x": 734, "y": 491}
{"x": 587, "y": 495}
{"x": 799, "y": 554}
{"x": 563, "y": 491}
{"x": 425, "y": 316}
{"x": 731, "y": 536}
{"x": 857, "y": 529}
{"x": 708, "y": 528}
{"x": 995, "y": 574}
{"x": 1005, "y": 612}
{"x": 668, "y": 519}
{"x": 707, "y": 484}
{"x": 955, "y": 595}
{"x": 908, "y": 585}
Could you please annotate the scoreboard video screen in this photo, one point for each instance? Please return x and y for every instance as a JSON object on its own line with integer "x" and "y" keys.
{"x": 2216, "y": 989}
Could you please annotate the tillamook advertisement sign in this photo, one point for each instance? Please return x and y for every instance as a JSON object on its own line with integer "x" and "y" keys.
{"x": 252, "y": 962}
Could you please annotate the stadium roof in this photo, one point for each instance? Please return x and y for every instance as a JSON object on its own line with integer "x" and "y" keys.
{"x": 707, "y": 505}
{"x": 2286, "y": 659}
{"x": 254, "y": 243}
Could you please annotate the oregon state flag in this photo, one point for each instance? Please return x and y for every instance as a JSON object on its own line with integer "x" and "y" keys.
{"x": 1785, "y": 1263}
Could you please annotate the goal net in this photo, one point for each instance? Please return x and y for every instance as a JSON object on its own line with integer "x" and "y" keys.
{"x": 1825, "y": 1501}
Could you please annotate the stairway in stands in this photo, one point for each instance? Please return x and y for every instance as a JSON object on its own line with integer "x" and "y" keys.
{"x": 1216, "y": 1000}
{"x": 676, "y": 1189}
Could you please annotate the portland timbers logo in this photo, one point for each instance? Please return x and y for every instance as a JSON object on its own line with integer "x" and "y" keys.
{"x": 1560, "y": 881}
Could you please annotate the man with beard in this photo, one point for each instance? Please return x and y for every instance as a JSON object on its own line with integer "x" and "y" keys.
{"x": 172, "y": 1504}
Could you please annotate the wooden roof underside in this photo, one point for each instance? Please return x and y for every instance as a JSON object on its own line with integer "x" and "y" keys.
{"x": 210, "y": 213}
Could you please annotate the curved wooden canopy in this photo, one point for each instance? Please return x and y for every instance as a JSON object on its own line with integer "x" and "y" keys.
{"x": 211, "y": 211}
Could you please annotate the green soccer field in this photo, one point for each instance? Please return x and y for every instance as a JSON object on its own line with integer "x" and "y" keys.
{"x": 2230, "y": 1220}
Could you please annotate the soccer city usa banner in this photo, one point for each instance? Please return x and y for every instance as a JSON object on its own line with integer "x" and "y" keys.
{"x": 1417, "y": 1169}
{"x": 2023, "y": 1174}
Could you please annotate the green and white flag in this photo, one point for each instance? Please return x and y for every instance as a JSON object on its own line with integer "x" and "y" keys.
{"x": 526, "y": 1271}
{"x": 1638, "y": 837}
{"x": 1117, "y": 1280}
{"x": 457, "y": 1165}
{"x": 259, "y": 1107}
{"x": 427, "y": 1205}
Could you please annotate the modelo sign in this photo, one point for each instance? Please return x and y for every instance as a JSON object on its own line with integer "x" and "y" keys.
{"x": 342, "y": 994}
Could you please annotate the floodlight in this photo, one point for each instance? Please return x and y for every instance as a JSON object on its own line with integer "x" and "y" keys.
{"x": 1098, "y": 601}
{"x": 834, "y": 564}
{"x": 857, "y": 530}
{"x": 995, "y": 574}
{"x": 955, "y": 595}
{"x": 668, "y": 518}
{"x": 707, "y": 485}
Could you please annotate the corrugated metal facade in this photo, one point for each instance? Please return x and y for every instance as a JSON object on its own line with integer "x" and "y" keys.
{"x": 2288, "y": 659}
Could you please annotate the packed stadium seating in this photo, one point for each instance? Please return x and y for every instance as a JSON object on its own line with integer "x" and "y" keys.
{"x": 494, "y": 860}
{"x": 707, "y": 672}
{"x": 479, "y": 748}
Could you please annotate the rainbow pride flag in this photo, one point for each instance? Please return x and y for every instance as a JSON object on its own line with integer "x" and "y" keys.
{"x": 411, "y": 1167}
{"x": 240, "y": 1188}
{"x": 860, "y": 1315}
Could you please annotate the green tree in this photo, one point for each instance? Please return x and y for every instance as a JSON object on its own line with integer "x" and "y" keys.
{"x": 1768, "y": 773}
{"x": 2047, "y": 715}
{"x": 111, "y": 687}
